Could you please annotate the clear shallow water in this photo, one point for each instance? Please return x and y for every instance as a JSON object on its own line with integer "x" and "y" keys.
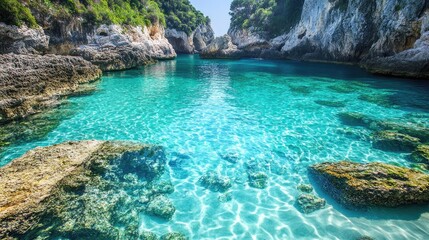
{"x": 264, "y": 111}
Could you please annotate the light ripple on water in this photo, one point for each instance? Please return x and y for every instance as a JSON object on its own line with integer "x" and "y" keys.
{"x": 264, "y": 111}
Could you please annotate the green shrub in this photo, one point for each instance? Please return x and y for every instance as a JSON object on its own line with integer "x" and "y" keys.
{"x": 271, "y": 16}
{"x": 14, "y": 13}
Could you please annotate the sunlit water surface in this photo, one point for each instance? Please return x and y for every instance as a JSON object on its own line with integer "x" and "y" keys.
{"x": 264, "y": 112}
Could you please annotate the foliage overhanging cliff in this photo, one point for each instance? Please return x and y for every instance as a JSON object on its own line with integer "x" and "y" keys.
{"x": 271, "y": 16}
{"x": 175, "y": 14}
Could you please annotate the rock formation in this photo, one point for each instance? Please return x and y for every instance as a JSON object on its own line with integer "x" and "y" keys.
{"x": 196, "y": 41}
{"x": 78, "y": 190}
{"x": 372, "y": 184}
{"x": 386, "y": 37}
{"x": 113, "y": 47}
{"x": 221, "y": 47}
{"x": 31, "y": 83}
{"x": 22, "y": 40}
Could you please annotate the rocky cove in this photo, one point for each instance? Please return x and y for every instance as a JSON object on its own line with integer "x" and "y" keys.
{"x": 237, "y": 149}
{"x": 384, "y": 37}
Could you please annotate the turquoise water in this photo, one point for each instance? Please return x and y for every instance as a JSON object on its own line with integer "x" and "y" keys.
{"x": 264, "y": 112}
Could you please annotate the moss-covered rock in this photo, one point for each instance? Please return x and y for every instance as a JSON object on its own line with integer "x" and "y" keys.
{"x": 309, "y": 203}
{"x": 77, "y": 190}
{"x": 421, "y": 154}
{"x": 146, "y": 235}
{"x": 258, "y": 179}
{"x": 371, "y": 184}
{"x": 215, "y": 182}
{"x": 378, "y": 99}
{"x": 414, "y": 130}
{"x": 355, "y": 119}
{"x": 161, "y": 206}
{"x": 174, "y": 236}
{"x": 306, "y": 188}
{"x": 394, "y": 141}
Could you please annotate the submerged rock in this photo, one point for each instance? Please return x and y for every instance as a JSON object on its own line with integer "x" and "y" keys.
{"x": 148, "y": 236}
{"x": 161, "y": 206}
{"x": 378, "y": 99}
{"x": 74, "y": 190}
{"x": 307, "y": 188}
{"x": 225, "y": 197}
{"x": 258, "y": 179}
{"x": 393, "y": 141}
{"x": 309, "y": 203}
{"x": 174, "y": 236}
{"x": 414, "y": 130}
{"x": 230, "y": 157}
{"x": 215, "y": 182}
{"x": 421, "y": 154}
{"x": 336, "y": 104}
{"x": 372, "y": 184}
{"x": 30, "y": 84}
{"x": 355, "y": 119}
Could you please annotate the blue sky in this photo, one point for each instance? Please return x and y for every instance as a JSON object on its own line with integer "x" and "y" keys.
{"x": 218, "y": 11}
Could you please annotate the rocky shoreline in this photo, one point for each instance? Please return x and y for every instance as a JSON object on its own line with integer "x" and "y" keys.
{"x": 62, "y": 190}
{"x": 385, "y": 38}
{"x": 30, "y": 84}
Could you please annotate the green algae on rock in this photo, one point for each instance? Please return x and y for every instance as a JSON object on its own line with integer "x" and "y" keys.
{"x": 77, "y": 189}
{"x": 258, "y": 179}
{"x": 393, "y": 141}
{"x": 309, "y": 203}
{"x": 215, "y": 182}
{"x": 372, "y": 184}
{"x": 335, "y": 104}
{"x": 421, "y": 154}
{"x": 161, "y": 206}
{"x": 306, "y": 188}
{"x": 174, "y": 236}
{"x": 355, "y": 119}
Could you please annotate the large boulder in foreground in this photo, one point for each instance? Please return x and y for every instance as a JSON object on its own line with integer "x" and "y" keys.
{"x": 78, "y": 190}
{"x": 372, "y": 184}
{"x": 32, "y": 83}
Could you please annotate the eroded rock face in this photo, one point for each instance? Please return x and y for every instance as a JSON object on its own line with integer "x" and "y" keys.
{"x": 386, "y": 37}
{"x": 221, "y": 47}
{"x": 113, "y": 47}
{"x": 22, "y": 40}
{"x": 192, "y": 43}
{"x": 31, "y": 83}
{"x": 372, "y": 184}
{"x": 77, "y": 190}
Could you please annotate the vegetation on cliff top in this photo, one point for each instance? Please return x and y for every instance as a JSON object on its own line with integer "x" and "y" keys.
{"x": 179, "y": 14}
{"x": 271, "y": 16}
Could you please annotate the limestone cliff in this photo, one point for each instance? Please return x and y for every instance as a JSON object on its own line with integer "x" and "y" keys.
{"x": 196, "y": 41}
{"x": 29, "y": 84}
{"x": 356, "y": 31}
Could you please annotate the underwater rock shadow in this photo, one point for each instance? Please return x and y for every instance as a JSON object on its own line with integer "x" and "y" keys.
{"x": 408, "y": 213}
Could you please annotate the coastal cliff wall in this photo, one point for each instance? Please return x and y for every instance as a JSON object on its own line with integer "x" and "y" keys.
{"x": 195, "y": 42}
{"x": 352, "y": 31}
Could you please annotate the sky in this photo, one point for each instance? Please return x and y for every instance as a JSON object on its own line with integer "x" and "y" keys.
{"x": 218, "y": 11}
